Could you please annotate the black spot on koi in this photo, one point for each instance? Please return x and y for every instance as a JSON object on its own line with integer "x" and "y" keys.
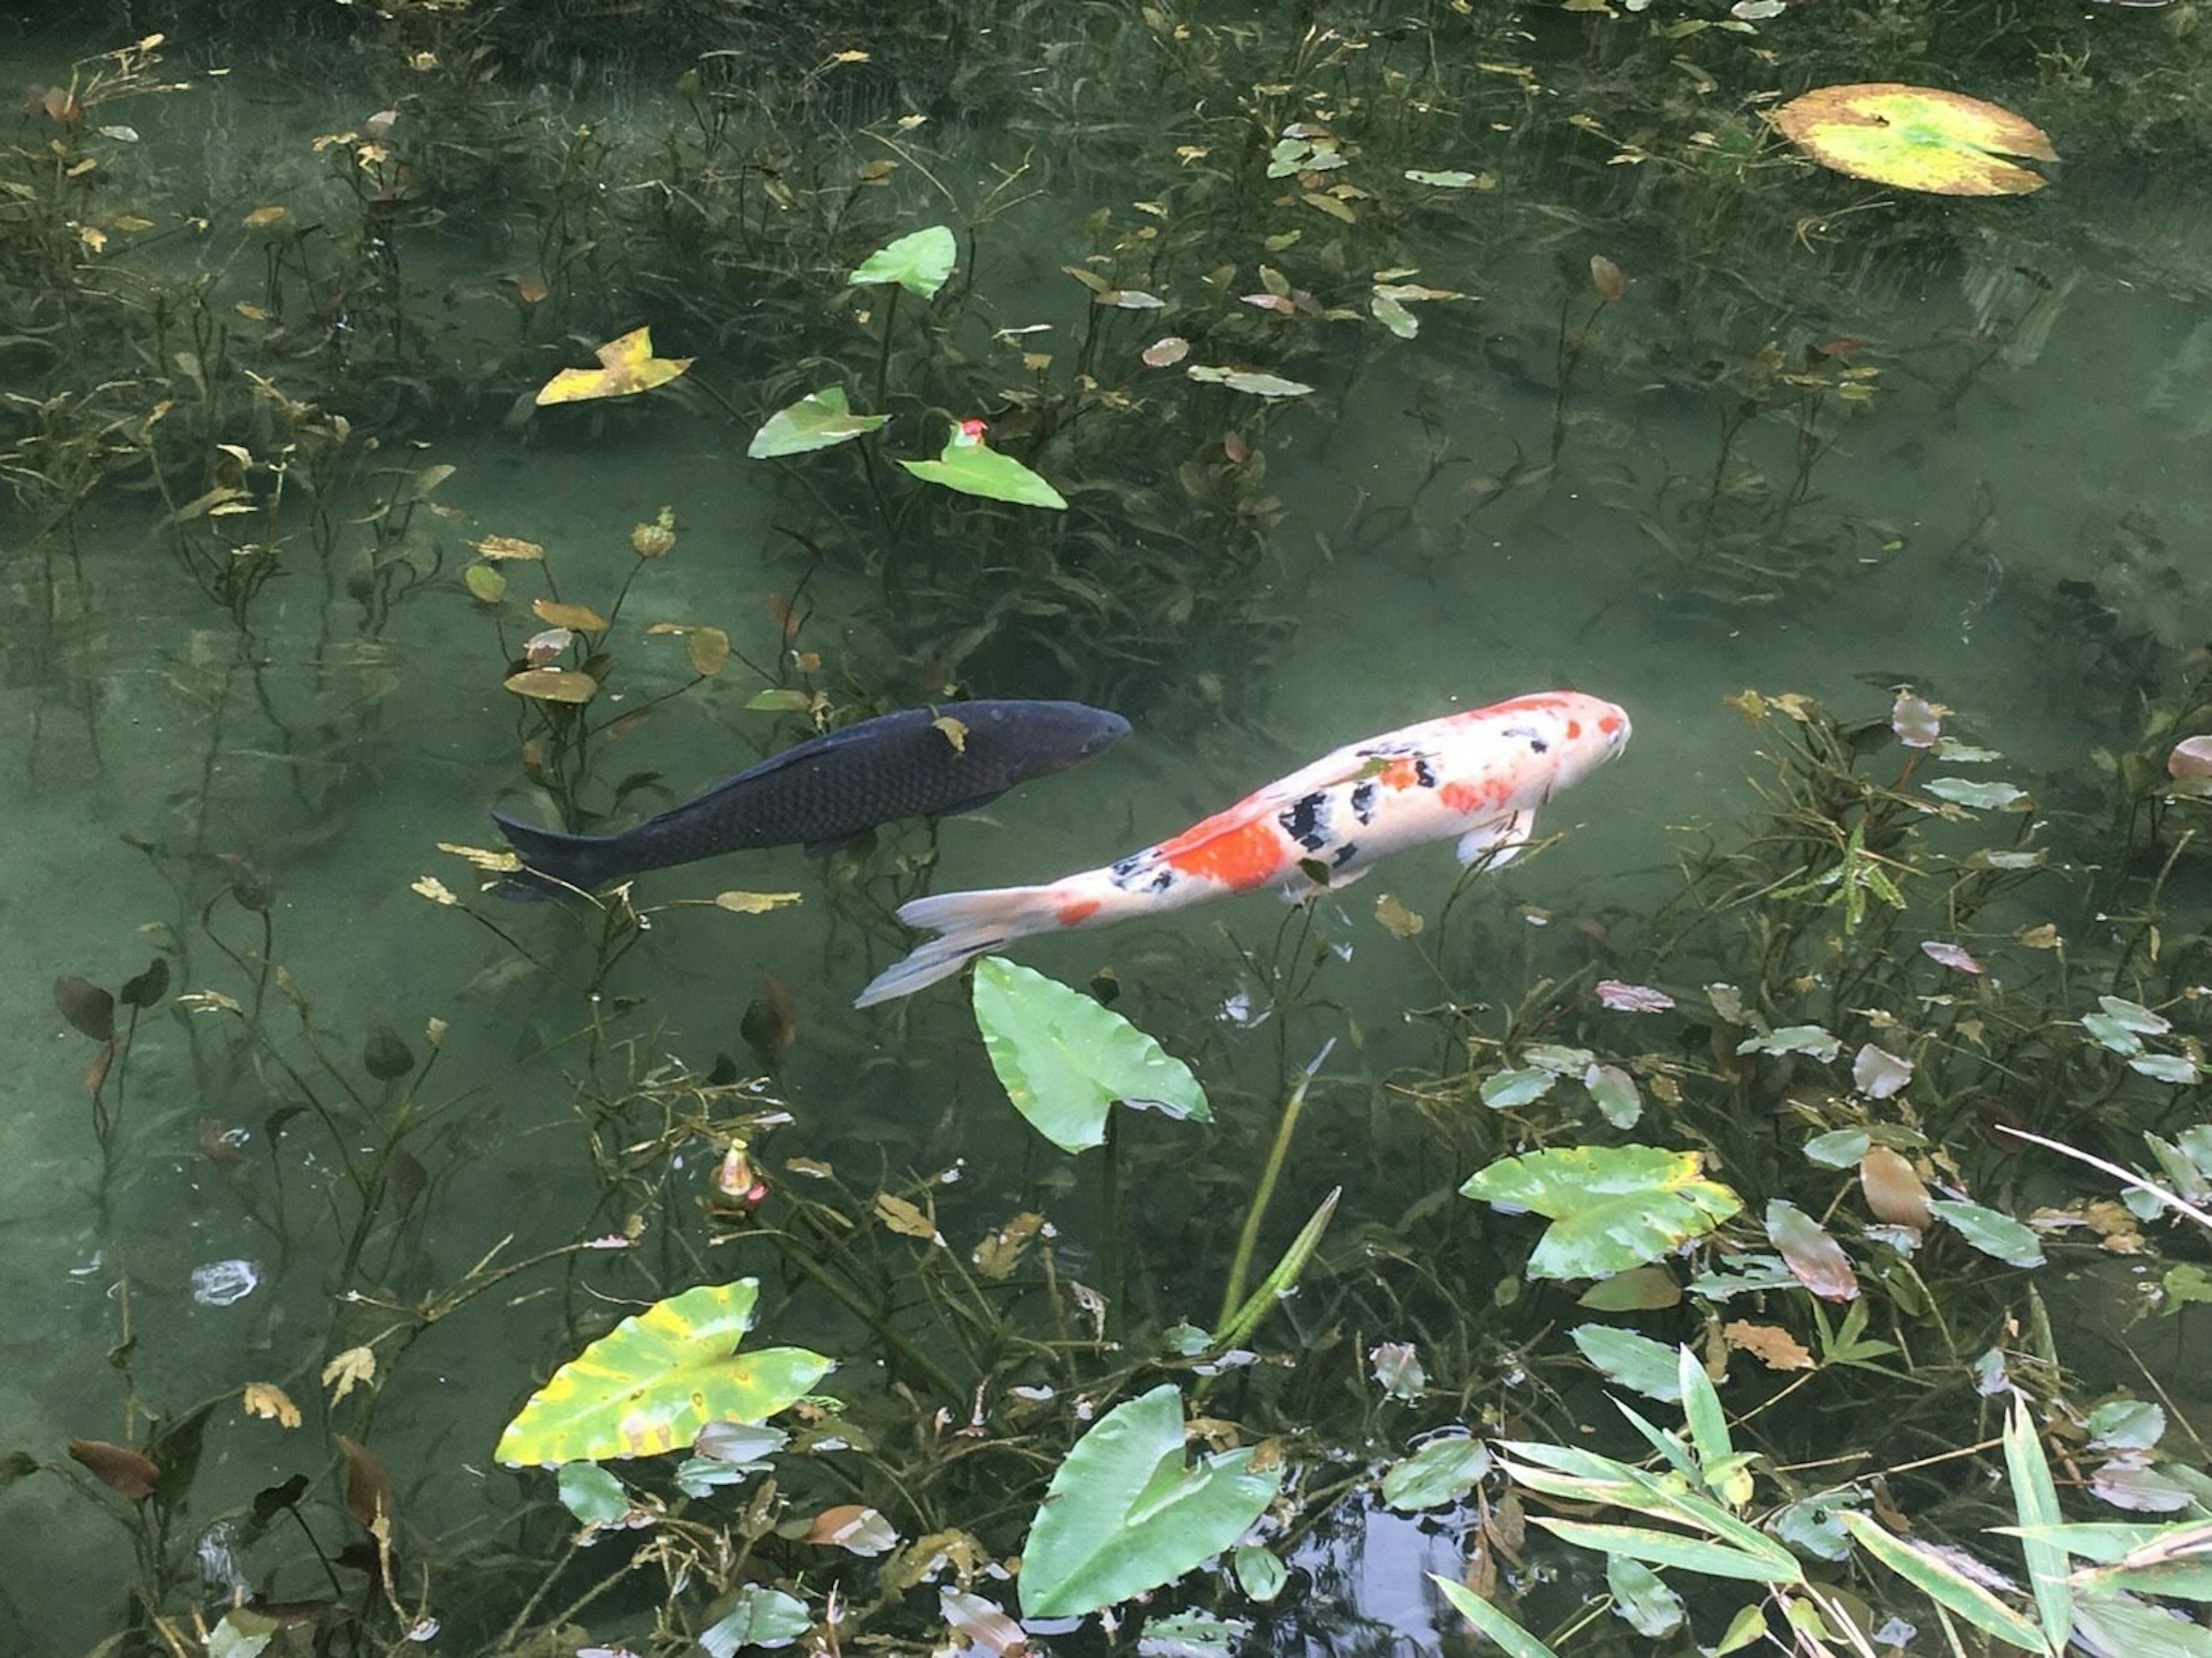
{"x": 1306, "y": 821}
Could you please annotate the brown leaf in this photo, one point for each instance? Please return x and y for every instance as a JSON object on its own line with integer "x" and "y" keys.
{"x": 1774, "y": 1347}
{"x": 709, "y": 649}
{"x": 368, "y": 1487}
{"x": 1401, "y": 922}
{"x": 122, "y": 1470}
{"x": 1001, "y": 1251}
{"x": 553, "y": 684}
{"x": 581, "y": 617}
{"x": 905, "y": 1218}
{"x": 771, "y": 1023}
{"x": 981, "y": 1623}
{"x": 1815, "y": 1259}
{"x": 356, "y": 1366}
{"x": 853, "y": 1528}
{"x": 1894, "y": 1190}
{"x": 1606, "y": 280}
{"x": 272, "y": 1403}
{"x": 88, "y": 1008}
{"x": 498, "y": 547}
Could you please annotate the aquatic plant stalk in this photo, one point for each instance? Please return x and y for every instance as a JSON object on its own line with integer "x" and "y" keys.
{"x": 1240, "y": 1269}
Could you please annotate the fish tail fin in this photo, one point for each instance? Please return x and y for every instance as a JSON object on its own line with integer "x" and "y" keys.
{"x": 554, "y": 863}
{"x": 968, "y": 925}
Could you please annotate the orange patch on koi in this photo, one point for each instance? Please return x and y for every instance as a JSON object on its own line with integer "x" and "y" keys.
{"x": 1460, "y": 795}
{"x": 1241, "y": 856}
{"x": 1399, "y": 775}
{"x": 1609, "y": 724}
{"x": 1077, "y": 910}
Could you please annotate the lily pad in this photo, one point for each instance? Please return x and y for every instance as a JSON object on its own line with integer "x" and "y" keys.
{"x": 974, "y": 468}
{"x": 650, "y": 1383}
{"x": 1917, "y": 138}
{"x": 919, "y": 263}
{"x": 1126, "y": 1512}
{"x": 1066, "y": 1059}
{"x": 818, "y": 421}
{"x": 1612, "y": 1207}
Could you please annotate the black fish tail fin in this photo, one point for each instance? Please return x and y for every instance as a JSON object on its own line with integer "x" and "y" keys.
{"x": 554, "y": 863}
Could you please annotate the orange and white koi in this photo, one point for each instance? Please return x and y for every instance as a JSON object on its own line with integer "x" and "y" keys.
{"x": 1479, "y": 776}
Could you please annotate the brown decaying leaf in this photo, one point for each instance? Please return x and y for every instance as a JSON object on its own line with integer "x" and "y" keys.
{"x": 368, "y": 1487}
{"x": 770, "y": 1025}
{"x": 1001, "y": 1251}
{"x": 953, "y": 731}
{"x": 498, "y": 547}
{"x": 269, "y": 1402}
{"x": 1401, "y": 921}
{"x": 580, "y": 617}
{"x": 1814, "y": 1259}
{"x": 1774, "y": 1347}
{"x": 1894, "y": 1191}
{"x": 354, "y": 1366}
{"x": 122, "y": 1470}
{"x": 709, "y": 649}
{"x": 857, "y": 1530}
{"x": 905, "y": 1218}
{"x": 89, "y": 1010}
{"x": 981, "y": 1623}
{"x": 553, "y": 684}
{"x": 1606, "y": 280}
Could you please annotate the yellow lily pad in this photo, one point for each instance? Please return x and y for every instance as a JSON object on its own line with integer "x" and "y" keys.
{"x": 1917, "y": 138}
{"x": 627, "y": 366}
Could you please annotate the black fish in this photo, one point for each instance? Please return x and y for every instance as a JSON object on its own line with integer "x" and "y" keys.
{"x": 829, "y": 788}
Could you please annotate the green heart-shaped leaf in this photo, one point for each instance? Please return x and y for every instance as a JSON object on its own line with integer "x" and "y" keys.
{"x": 817, "y": 421}
{"x": 919, "y": 263}
{"x": 1611, "y": 1207}
{"x": 1065, "y": 1058}
{"x": 1126, "y": 1513}
{"x": 974, "y": 468}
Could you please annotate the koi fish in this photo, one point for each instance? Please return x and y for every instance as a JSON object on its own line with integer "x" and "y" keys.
{"x": 830, "y": 788}
{"x": 1479, "y": 776}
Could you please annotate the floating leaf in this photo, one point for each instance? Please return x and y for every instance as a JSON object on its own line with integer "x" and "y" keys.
{"x": 1126, "y": 1513}
{"x": 1065, "y": 1059}
{"x": 553, "y": 684}
{"x": 1440, "y": 1473}
{"x": 2175, "y": 1068}
{"x": 595, "y": 1497}
{"x": 122, "y": 1470}
{"x": 1640, "y": 1289}
{"x": 1399, "y": 922}
{"x": 1615, "y": 1094}
{"x": 757, "y": 1617}
{"x": 263, "y": 215}
{"x": 920, "y": 261}
{"x": 627, "y": 366}
{"x": 756, "y": 903}
{"x": 1651, "y": 1367}
{"x": 708, "y": 649}
{"x": 1166, "y": 352}
{"x": 1916, "y": 138}
{"x": 1611, "y": 1207}
{"x": 853, "y": 1528}
{"x": 1839, "y": 1148}
{"x": 1508, "y": 1088}
{"x": 1966, "y": 791}
{"x": 1990, "y": 1232}
{"x": 89, "y": 1010}
{"x": 974, "y": 468}
{"x": 818, "y": 421}
{"x": 1816, "y": 1259}
{"x": 484, "y": 583}
{"x": 1632, "y": 999}
{"x": 504, "y": 546}
{"x": 1949, "y": 955}
{"x": 1894, "y": 1190}
{"x": 650, "y": 1384}
{"x": 1878, "y": 1073}
{"x": 1452, "y": 179}
{"x": 350, "y": 1368}
{"x": 1260, "y": 1574}
{"x": 580, "y": 617}
{"x": 1809, "y": 1039}
{"x": 1248, "y": 380}
{"x": 2134, "y": 1015}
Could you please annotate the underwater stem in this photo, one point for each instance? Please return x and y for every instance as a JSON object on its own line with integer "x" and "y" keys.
{"x": 1240, "y": 1269}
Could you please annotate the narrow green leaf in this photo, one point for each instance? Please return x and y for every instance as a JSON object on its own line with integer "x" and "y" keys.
{"x": 1702, "y": 1415}
{"x": 2035, "y": 1498}
{"x": 1664, "y": 1548}
{"x": 1941, "y": 1583}
{"x": 1512, "y": 1640}
{"x": 1632, "y": 1360}
{"x": 1991, "y": 1232}
{"x": 1283, "y": 1280}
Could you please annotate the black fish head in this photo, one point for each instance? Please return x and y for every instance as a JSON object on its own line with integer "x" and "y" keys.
{"x": 1049, "y": 737}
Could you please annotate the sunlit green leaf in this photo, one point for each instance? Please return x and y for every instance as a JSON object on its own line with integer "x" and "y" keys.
{"x": 920, "y": 263}
{"x": 1940, "y": 1581}
{"x": 1128, "y": 1511}
{"x": 1840, "y": 1148}
{"x": 1641, "y": 1597}
{"x": 1260, "y": 1573}
{"x": 1611, "y": 1207}
{"x": 1666, "y": 1548}
{"x": 1440, "y": 1473}
{"x": 1505, "y": 1090}
{"x": 653, "y": 1381}
{"x": 971, "y": 466}
{"x": 757, "y": 1617}
{"x": 2035, "y": 1500}
{"x": 817, "y": 421}
{"x": 1511, "y": 1639}
{"x": 1634, "y": 1361}
{"x": 2119, "y": 1624}
{"x": 1615, "y": 1094}
{"x": 591, "y": 1494}
{"x": 1065, "y": 1058}
{"x": 1990, "y": 1232}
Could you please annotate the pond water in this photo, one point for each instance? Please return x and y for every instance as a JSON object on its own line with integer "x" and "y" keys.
{"x": 275, "y": 296}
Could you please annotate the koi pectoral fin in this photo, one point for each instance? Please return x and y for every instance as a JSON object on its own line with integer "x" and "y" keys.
{"x": 1302, "y": 886}
{"x": 1499, "y": 842}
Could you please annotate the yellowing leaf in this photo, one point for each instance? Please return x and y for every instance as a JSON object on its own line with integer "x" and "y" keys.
{"x": 1770, "y": 1344}
{"x": 754, "y": 903}
{"x": 263, "y": 215}
{"x": 497, "y": 547}
{"x": 1916, "y": 138}
{"x": 582, "y": 617}
{"x": 709, "y": 649}
{"x": 553, "y": 684}
{"x": 627, "y": 365}
{"x": 485, "y": 583}
{"x": 268, "y": 1400}
{"x": 434, "y": 890}
{"x": 905, "y": 1218}
{"x": 356, "y": 1366}
{"x": 503, "y": 863}
{"x": 1403, "y": 923}
{"x": 954, "y": 731}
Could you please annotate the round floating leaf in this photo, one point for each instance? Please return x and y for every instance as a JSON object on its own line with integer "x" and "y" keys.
{"x": 653, "y": 1381}
{"x": 974, "y": 468}
{"x": 1611, "y": 1207}
{"x": 1126, "y": 1513}
{"x": 1065, "y": 1058}
{"x": 1917, "y": 138}
{"x": 553, "y": 684}
{"x": 919, "y": 263}
{"x": 818, "y": 421}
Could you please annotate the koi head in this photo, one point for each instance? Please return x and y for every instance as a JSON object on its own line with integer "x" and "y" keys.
{"x": 1561, "y": 736}
{"x": 1040, "y": 739}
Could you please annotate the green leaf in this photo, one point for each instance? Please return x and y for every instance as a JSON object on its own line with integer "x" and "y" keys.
{"x": 1444, "y": 179}
{"x": 772, "y": 701}
{"x": 1126, "y": 1512}
{"x": 919, "y": 263}
{"x": 1915, "y": 137}
{"x": 2035, "y": 1499}
{"x": 1810, "y": 1524}
{"x": 2165, "y": 1067}
{"x": 1611, "y": 1207}
{"x": 757, "y": 1617}
{"x": 1747, "y": 1626}
{"x": 974, "y": 468}
{"x": 2117, "y": 1624}
{"x": 1281, "y": 1280}
{"x": 1702, "y": 1415}
{"x": 1065, "y": 1058}
{"x": 243, "y": 1633}
{"x": 1615, "y": 1094}
{"x": 2134, "y": 1015}
{"x": 2124, "y": 1424}
{"x": 1641, "y": 1597}
{"x": 1249, "y": 380}
{"x": 2111, "y": 1032}
{"x": 817, "y": 421}
{"x": 1505, "y": 1090}
{"x": 1990, "y": 1232}
{"x": 591, "y": 1494}
{"x": 1441, "y": 1472}
{"x": 1510, "y": 1638}
{"x": 1967, "y": 792}
{"x": 1940, "y": 1581}
{"x": 1840, "y": 1148}
{"x": 1633, "y": 1361}
{"x": 1190, "y": 1635}
{"x": 1667, "y": 1548}
{"x": 653, "y": 1381}
{"x": 1260, "y": 1574}
{"x": 1794, "y": 1039}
